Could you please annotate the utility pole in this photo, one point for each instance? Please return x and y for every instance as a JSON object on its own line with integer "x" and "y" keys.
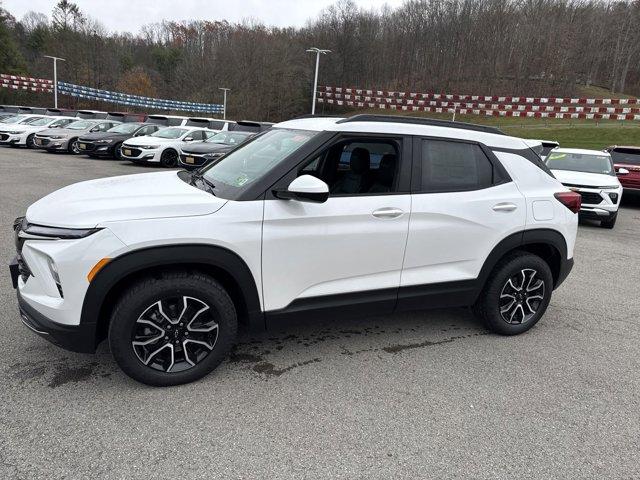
{"x": 55, "y": 78}
{"x": 317, "y": 51}
{"x": 224, "y": 103}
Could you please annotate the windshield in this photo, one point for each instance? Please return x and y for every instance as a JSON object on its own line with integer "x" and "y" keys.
{"x": 20, "y": 119}
{"x": 581, "y": 162}
{"x": 124, "y": 128}
{"x": 80, "y": 125}
{"x": 626, "y": 155}
{"x": 243, "y": 166}
{"x": 228, "y": 138}
{"x": 41, "y": 121}
{"x": 170, "y": 132}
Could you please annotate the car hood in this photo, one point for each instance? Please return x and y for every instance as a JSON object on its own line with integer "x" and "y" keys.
{"x": 92, "y": 137}
{"x": 129, "y": 197}
{"x": 586, "y": 179}
{"x": 148, "y": 140}
{"x": 206, "y": 147}
{"x": 66, "y": 132}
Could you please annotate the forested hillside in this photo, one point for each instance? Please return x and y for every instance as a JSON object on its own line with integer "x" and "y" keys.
{"x": 507, "y": 47}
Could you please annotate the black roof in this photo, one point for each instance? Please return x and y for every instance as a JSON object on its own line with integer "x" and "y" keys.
{"x": 421, "y": 121}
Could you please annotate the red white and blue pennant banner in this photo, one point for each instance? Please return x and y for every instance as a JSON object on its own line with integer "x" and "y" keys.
{"x": 42, "y": 85}
{"x": 537, "y": 107}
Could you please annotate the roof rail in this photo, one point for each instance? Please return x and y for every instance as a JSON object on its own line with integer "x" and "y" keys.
{"x": 366, "y": 117}
{"x": 314, "y": 115}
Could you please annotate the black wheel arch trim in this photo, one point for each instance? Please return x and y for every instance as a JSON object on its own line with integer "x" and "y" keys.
{"x": 138, "y": 261}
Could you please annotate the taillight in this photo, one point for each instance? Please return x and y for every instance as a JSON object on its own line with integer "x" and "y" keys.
{"x": 571, "y": 200}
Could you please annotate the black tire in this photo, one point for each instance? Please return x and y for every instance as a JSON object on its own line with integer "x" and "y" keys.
{"x": 73, "y": 147}
{"x": 610, "y": 222}
{"x": 117, "y": 153}
{"x": 169, "y": 158}
{"x": 142, "y": 298}
{"x": 31, "y": 143}
{"x": 527, "y": 309}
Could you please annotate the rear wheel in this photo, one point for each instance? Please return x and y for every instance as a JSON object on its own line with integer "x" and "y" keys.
{"x": 169, "y": 158}
{"x": 516, "y": 294}
{"x": 74, "y": 147}
{"x": 172, "y": 330}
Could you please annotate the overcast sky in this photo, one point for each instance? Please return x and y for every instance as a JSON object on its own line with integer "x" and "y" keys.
{"x": 130, "y": 15}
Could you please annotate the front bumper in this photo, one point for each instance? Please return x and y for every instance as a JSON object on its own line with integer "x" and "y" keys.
{"x": 51, "y": 144}
{"x": 140, "y": 155}
{"x": 96, "y": 149}
{"x": 80, "y": 338}
{"x": 12, "y": 138}
{"x": 597, "y": 213}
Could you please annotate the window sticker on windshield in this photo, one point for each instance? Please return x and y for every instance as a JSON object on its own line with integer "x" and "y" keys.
{"x": 241, "y": 180}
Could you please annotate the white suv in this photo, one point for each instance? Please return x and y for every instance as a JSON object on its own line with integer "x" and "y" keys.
{"x": 317, "y": 216}
{"x": 592, "y": 175}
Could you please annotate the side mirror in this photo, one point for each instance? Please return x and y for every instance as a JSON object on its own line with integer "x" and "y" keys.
{"x": 188, "y": 139}
{"x": 95, "y": 129}
{"x": 622, "y": 171}
{"x": 305, "y": 188}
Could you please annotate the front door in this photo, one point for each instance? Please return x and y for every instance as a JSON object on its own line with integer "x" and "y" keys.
{"x": 349, "y": 249}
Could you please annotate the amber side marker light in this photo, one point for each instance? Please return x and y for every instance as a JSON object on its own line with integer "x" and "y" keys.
{"x": 97, "y": 267}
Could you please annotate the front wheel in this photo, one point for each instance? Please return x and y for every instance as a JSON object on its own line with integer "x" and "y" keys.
{"x": 31, "y": 143}
{"x": 169, "y": 158}
{"x": 172, "y": 330}
{"x": 516, "y": 294}
{"x": 74, "y": 147}
{"x": 117, "y": 151}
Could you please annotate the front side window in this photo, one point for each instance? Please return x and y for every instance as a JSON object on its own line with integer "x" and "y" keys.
{"x": 449, "y": 166}
{"x": 357, "y": 167}
{"x": 245, "y": 165}
{"x": 579, "y": 162}
{"x": 170, "y": 132}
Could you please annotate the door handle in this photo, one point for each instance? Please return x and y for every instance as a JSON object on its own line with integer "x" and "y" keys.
{"x": 504, "y": 207}
{"x": 387, "y": 212}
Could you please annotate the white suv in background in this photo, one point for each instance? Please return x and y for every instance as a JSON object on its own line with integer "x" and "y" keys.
{"x": 164, "y": 146}
{"x": 23, "y": 134}
{"x": 316, "y": 217}
{"x": 591, "y": 174}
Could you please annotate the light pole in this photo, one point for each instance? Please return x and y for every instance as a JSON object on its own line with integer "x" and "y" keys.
{"x": 224, "y": 103}
{"x": 317, "y": 51}
{"x": 55, "y": 78}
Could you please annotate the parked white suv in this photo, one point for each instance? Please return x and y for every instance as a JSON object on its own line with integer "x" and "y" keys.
{"x": 164, "y": 146}
{"x": 591, "y": 174}
{"x": 317, "y": 216}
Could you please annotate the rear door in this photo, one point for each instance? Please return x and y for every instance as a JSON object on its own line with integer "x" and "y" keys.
{"x": 463, "y": 205}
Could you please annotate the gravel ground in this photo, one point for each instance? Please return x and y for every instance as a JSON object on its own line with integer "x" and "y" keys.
{"x": 416, "y": 395}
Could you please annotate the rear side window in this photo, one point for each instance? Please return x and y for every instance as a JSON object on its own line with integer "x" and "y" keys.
{"x": 455, "y": 166}
{"x": 216, "y": 125}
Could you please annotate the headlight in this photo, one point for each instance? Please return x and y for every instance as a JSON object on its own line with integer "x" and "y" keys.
{"x": 56, "y": 137}
{"x": 150, "y": 147}
{"x": 212, "y": 155}
{"x": 34, "y": 231}
{"x": 104, "y": 141}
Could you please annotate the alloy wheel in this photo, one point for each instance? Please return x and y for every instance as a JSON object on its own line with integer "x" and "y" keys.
{"x": 175, "y": 334}
{"x": 521, "y": 296}
{"x": 75, "y": 148}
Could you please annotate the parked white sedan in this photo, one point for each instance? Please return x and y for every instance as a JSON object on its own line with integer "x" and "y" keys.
{"x": 163, "y": 146}
{"x": 24, "y": 133}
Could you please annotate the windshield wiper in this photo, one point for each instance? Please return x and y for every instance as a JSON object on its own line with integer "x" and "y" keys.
{"x": 199, "y": 176}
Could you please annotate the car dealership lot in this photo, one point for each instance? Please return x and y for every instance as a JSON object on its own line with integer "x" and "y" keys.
{"x": 412, "y": 395}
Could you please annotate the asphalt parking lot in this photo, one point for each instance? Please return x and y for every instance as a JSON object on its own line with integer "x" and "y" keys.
{"x": 418, "y": 395}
